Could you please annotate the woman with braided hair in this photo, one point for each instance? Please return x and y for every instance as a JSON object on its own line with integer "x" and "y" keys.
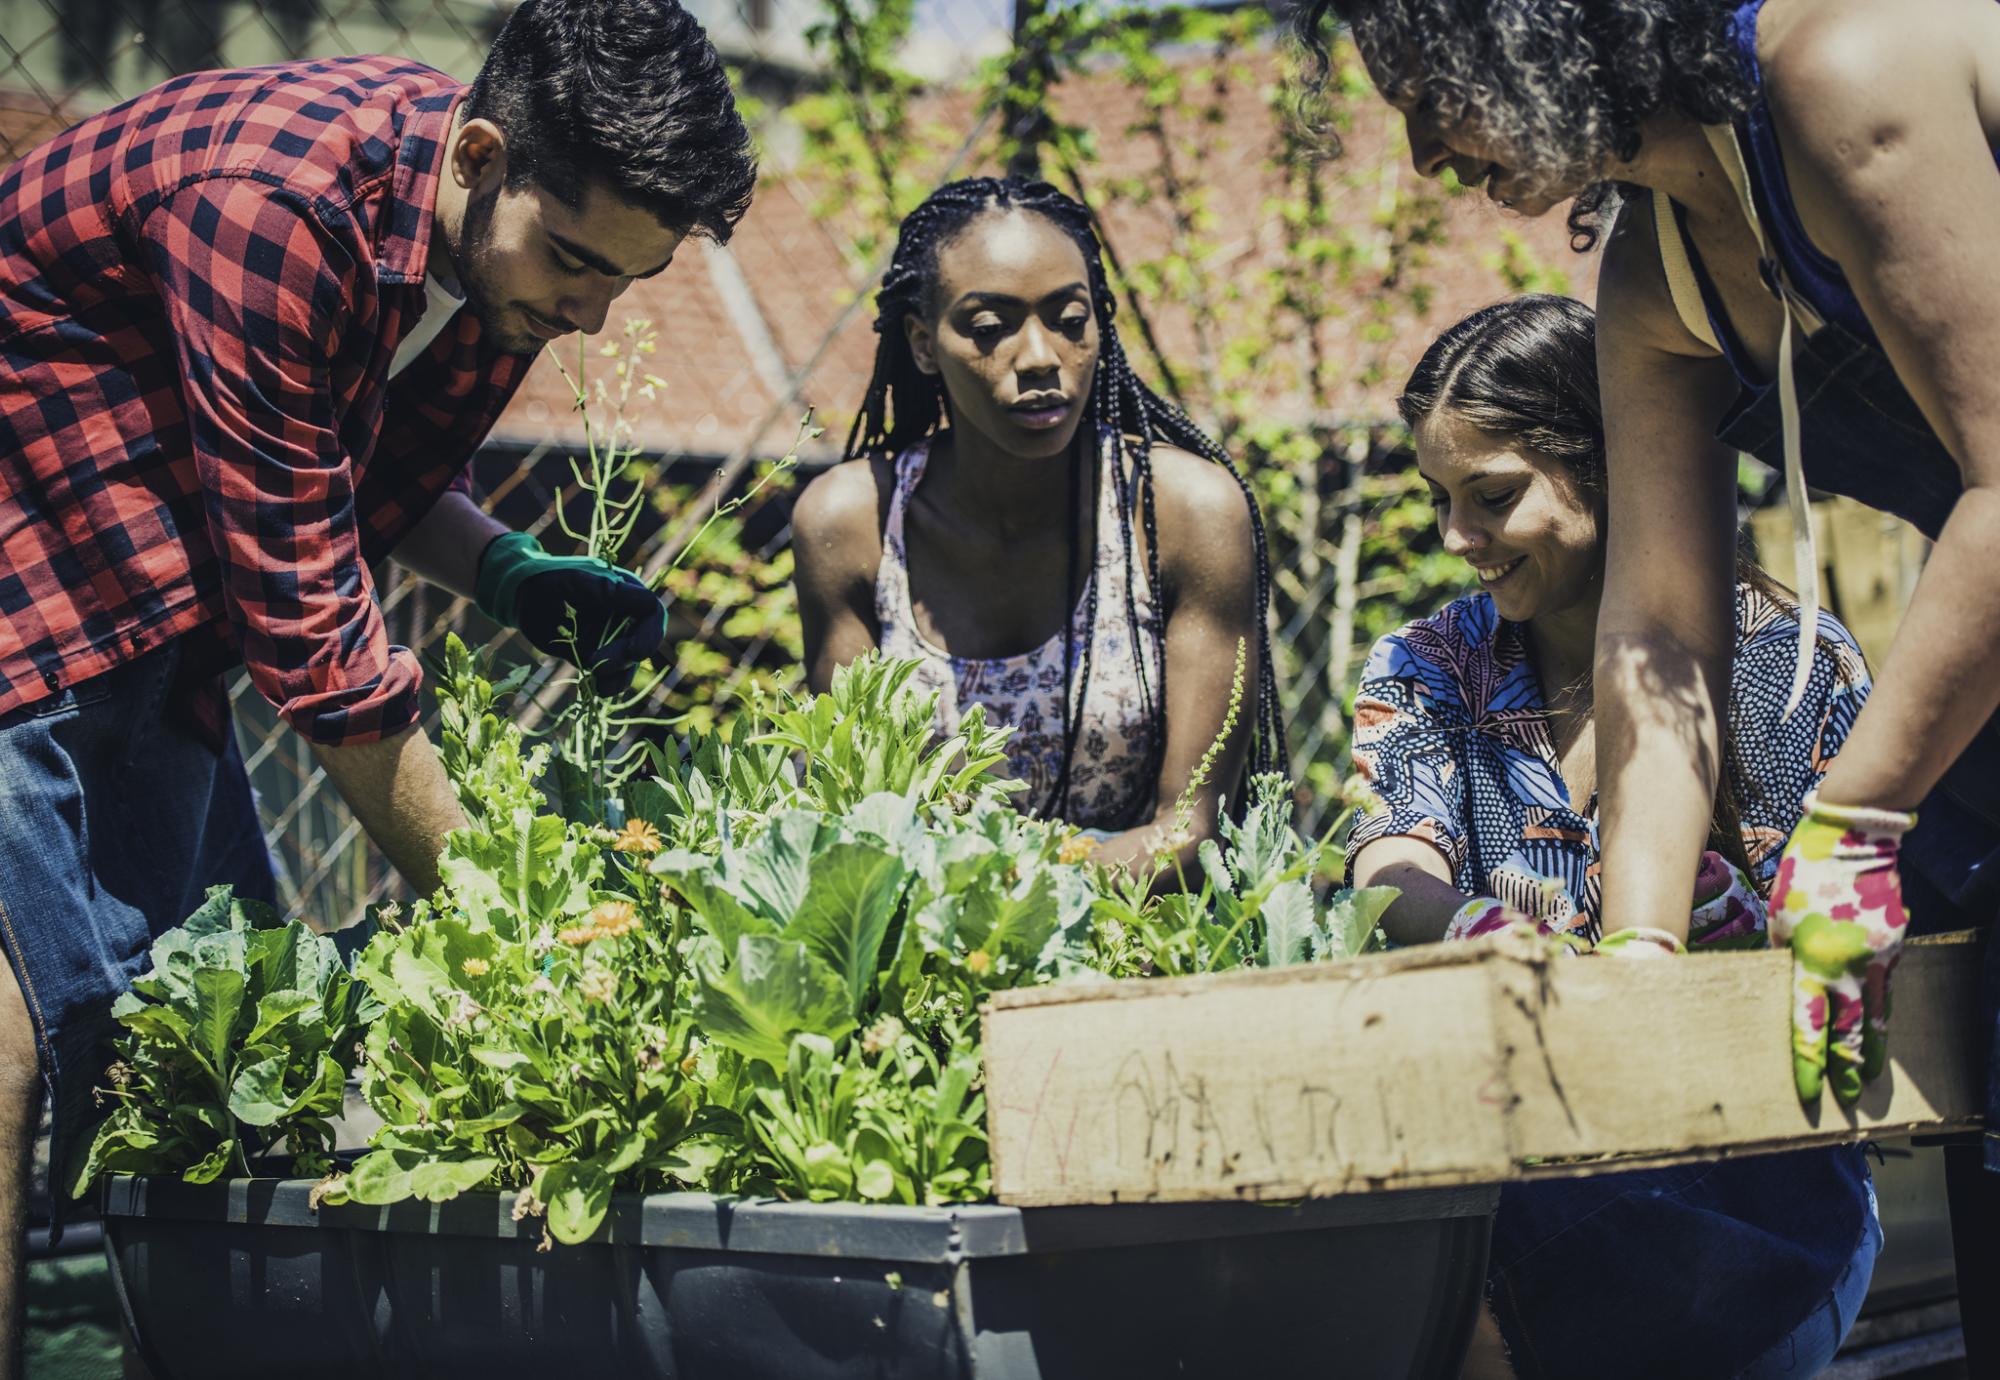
{"x": 1044, "y": 533}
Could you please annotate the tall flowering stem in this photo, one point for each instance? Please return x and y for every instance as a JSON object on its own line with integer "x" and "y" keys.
{"x": 591, "y": 727}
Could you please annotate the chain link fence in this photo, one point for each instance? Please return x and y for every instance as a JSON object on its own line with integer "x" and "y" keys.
{"x": 752, "y": 335}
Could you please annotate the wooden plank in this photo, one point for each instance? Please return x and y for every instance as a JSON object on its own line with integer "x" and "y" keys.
{"x": 1261, "y": 1085}
{"x": 1692, "y": 1056}
{"x": 1464, "y": 1063}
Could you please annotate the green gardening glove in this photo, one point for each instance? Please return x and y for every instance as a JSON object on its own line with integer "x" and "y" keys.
{"x": 589, "y": 612}
{"x": 1837, "y": 904}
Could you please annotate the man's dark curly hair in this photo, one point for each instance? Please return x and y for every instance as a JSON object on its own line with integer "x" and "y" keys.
{"x": 1563, "y": 84}
{"x": 627, "y": 92}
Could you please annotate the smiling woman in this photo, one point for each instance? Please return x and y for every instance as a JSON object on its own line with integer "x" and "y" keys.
{"x": 1047, "y": 536}
{"x": 1474, "y": 729}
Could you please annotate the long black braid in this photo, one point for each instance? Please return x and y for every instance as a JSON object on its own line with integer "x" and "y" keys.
{"x": 904, "y": 405}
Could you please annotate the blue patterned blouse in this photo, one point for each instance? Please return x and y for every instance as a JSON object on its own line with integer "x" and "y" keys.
{"x": 1451, "y": 733}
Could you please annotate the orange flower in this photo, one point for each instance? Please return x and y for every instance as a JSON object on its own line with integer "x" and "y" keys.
{"x": 639, "y": 837}
{"x": 614, "y": 918}
{"x": 608, "y": 920}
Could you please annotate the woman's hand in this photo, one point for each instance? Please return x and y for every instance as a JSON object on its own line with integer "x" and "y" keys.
{"x": 1837, "y": 905}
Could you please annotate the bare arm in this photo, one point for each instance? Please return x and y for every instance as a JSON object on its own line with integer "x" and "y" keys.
{"x": 1208, "y": 565}
{"x": 1665, "y": 629}
{"x": 444, "y": 549}
{"x": 1893, "y": 172}
{"x": 836, "y": 551}
{"x": 1428, "y": 897}
{"x": 397, "y": 788}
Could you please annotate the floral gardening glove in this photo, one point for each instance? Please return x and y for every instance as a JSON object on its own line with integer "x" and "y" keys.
{"x": 1837, "y": 904}
{"x": 1728, "y": 912}
{"x": 589, "y": 612}
{"x": 1484, "y": 915}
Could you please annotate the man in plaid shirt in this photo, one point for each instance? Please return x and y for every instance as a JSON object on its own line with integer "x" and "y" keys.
{"x": 253, "y": 324}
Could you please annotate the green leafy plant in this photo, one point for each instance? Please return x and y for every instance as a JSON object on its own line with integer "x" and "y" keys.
{"x": 238, "y": 1041}
{"x": 870, "y": 735}
{"x": 742, "y": 989}
{"x": 1258, "y": 904}
{"x": 767, "y": 980}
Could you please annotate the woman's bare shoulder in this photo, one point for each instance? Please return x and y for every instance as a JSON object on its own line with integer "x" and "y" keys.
{"x": 837, "y": 521}
{"x": 852, "y": 496}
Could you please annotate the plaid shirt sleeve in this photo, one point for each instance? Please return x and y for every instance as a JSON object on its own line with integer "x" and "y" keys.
{"x": 437, "y": 412}
{"x": 256, "y": 290}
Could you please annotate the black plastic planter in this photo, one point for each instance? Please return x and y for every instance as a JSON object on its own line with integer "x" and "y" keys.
{"x": 242, "y": 1279}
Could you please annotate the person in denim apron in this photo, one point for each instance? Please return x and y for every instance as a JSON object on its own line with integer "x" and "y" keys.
{"x": 1802, "y": 268}
{"x": 1728, "y": 325}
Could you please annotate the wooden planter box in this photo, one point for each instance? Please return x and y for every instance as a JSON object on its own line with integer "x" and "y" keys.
{"x": 1464, "y": 1063}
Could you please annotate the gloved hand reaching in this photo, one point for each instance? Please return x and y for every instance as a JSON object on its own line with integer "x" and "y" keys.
{"x": 1728, "y": 912}
{"x": 1837, "y": 904}
{"x": 589, "y": 612}
{"x": 1488, "y": 915}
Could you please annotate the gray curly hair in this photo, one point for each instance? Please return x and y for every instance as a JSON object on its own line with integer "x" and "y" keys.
{"x": 1563, "y": 85}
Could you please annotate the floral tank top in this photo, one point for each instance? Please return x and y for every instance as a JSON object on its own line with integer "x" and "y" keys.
{"x": 1111, "y": 785}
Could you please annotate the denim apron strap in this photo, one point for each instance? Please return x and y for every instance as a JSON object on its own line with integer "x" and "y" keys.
{"x": 1805, "y": 553}
{"x": 1681, "y": 284}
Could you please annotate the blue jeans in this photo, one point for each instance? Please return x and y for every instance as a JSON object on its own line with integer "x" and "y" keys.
{"x": 117, "y": 821}
{"x": 1688, "y": 1273}
{"x": 1811, "y": 1347}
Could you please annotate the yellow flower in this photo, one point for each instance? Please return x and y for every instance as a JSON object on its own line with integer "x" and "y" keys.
{"x": 639, "y": 836}
{"x": 979, "y": 960}
{"x": 598, "y": 984}
{"x": 614, "y": 918}
{"x": 475, "y": 967}
{"x": 1076, "y": 848}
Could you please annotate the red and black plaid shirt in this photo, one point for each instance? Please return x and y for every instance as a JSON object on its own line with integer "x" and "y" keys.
{"x": 201, "y": 292}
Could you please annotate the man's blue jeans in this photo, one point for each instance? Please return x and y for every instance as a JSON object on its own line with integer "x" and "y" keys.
{"x": 116, "y": 821}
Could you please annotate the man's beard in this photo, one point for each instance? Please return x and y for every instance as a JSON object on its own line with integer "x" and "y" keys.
{"x": 472, "y": 260}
